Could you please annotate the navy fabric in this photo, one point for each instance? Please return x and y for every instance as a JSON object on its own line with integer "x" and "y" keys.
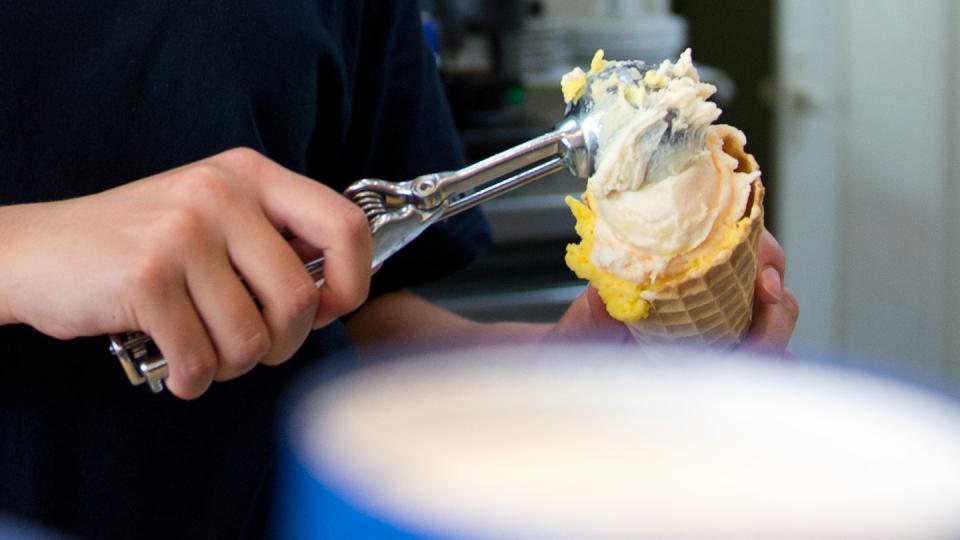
{"x": 94, "y": 93}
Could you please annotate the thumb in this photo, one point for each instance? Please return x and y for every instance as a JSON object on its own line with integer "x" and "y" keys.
{"x": 598, "y": 312}
{"x": 587, "y": 319}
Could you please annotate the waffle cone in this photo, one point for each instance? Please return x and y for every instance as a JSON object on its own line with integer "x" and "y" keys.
{"x": 714, "y": 308}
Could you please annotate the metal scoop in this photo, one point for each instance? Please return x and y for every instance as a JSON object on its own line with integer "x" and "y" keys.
{"x": 399, "y": 212}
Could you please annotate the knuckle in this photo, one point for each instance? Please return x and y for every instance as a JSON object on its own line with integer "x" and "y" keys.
{"x": 246, "y": 351}
{"x": 158, "y": 265}
{"x": 243, "y": 158}
{"x": 292, "y": 322}
{"x": 278, "y": 357}
{"x": 767, "y": 237}
{"x": 350, "y": 298}
{"x": 791, "y": 304}
{"x": 302, "y": 300}
{"x": 205, "y": 183}
{"x": 197, "y": 370}
{"x": 172, "y": 235}
{"x": 178, "y": 225}
{"x": 150, "y": 275}
{"x": 355, "y": 224}
{"x": 771, "y": 248}
{"x": 357, "y": 296}
{"x": 297, "y": 304}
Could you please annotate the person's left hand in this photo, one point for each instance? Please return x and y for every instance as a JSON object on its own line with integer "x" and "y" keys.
{"x": 775, "y": 309}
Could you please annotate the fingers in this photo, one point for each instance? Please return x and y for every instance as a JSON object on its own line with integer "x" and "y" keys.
{"x": 773, "y": 325}
{"x": 603, "y": 323}
{"x": 210, "y": 328}
{"x": 239, "y": 335}
{"x": 587, "y": 320}
{"x": 771, "y": 268}
{"x": 322, "y": 222}
{"x": 304, "y": 250}
{"x": 170, "y": 318}
{"x": 171, "y": 270}
{"x": 769, "y": 285}
{"x": 274, "y": 273}
{"x": 770, "y": 253}
{"x": 775, "y": 311}
{"x": 329, "y": 222}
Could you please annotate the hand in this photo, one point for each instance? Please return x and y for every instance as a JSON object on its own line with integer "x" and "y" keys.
{"x": 166, "y": 254}
{"x": 775, "y": 309}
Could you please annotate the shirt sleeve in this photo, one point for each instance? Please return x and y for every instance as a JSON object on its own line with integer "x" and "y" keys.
{"x": 401, "y": 118}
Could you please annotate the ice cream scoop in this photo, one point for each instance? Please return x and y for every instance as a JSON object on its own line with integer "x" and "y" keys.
{"x": 399, "y": 211}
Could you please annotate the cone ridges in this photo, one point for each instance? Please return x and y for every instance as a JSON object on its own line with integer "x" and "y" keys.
{"x": 714, "y": 309}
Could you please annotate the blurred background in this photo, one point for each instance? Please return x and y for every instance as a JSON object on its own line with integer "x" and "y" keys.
{"x": 850, "y": 108}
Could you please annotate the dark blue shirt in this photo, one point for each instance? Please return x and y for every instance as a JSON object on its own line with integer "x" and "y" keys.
{"x": 94, "y": 93}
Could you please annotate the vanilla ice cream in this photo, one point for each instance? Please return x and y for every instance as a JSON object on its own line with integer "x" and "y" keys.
{"x": 669, "y": 191}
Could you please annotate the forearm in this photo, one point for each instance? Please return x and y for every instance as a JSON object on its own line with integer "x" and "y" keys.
{"x": 408, "y": 320}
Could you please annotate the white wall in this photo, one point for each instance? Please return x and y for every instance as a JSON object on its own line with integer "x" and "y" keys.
{"x": 808, "y": 155}
{"x": 869, "y": 150}
{"x": 952, "y": 200}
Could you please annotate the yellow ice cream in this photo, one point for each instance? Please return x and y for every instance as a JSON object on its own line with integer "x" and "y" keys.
{"x": 573, "y": 83}
{"x": 670, "y": 191}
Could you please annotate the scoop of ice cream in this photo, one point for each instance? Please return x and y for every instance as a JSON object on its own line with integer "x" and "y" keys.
{"x": 666, "y": 193}
{"x": 644, "y": 233}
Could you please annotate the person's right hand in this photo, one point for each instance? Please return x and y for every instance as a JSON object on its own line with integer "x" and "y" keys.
{"x": 166, "y": 254}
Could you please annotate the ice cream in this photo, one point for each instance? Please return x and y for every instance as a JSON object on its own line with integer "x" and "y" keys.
{"x": 673, "y": 194}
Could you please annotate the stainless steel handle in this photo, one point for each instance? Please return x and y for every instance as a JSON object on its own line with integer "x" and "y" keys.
{"x": 142, "y": 360}
{"x": 508, "y": 162}
{"x": 522, "y": 178}
{"x": 399, "y": 212}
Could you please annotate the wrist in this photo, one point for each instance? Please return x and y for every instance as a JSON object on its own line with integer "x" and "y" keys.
{"x": 13, "y": 222}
